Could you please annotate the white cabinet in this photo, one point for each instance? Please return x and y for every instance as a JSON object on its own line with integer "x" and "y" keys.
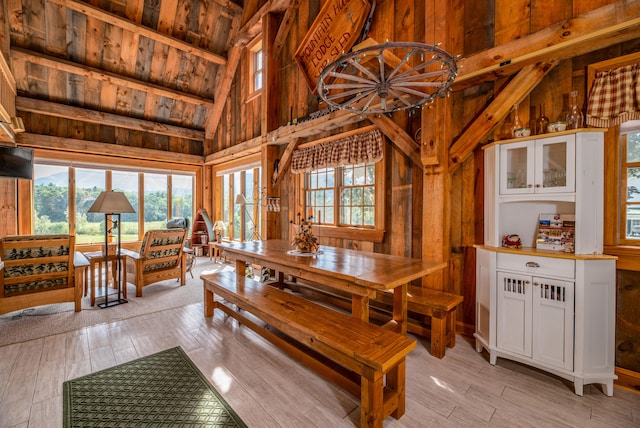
{"x": 538, "y": 166}
{"x": 561, "y": 174}
{"x": 535, "y": 316}
{"x": 548, "y": 309}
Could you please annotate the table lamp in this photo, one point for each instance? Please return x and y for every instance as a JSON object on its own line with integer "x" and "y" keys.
{"x": 111, "y": 204}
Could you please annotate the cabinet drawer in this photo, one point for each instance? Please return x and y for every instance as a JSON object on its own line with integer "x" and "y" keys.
{"x": 537, "y": 265}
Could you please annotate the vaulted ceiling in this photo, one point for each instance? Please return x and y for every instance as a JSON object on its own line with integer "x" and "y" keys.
{"x": 157, "y": 65}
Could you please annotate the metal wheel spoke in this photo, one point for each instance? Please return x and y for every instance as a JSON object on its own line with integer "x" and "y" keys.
{"x": 339, "y": 95}
{"x": 349, "y": 77}
{"x": 400, "y": 97}
{"x": 359, "y": 97}
{"x": 365, "y": 71}
{"x": 411, "y": 91}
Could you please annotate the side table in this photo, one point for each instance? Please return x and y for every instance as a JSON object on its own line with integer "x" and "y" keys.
{"x": 215, "y": 252}
{"x": 96, "y": 260}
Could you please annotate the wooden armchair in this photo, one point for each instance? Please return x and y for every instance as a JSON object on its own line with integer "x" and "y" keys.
{"x": 38, "y": 270}
{"x": 161, "y": 257}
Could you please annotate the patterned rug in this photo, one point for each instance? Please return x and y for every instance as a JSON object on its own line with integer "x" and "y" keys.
{"x": 161, "y": 390}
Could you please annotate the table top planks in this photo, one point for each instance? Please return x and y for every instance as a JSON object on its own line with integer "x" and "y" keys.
{"x": 370, "y": 270}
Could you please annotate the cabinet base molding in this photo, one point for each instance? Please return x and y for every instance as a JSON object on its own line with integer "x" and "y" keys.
{"x": 579, "y": 381}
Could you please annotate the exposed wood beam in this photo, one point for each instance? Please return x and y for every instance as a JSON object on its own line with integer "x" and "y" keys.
{"x": 597, "y": 29}
{"x": 285, "y": 27}
{"x": 398, "y": 137}
{"x": 19, "y": 54}
{"x": 285, "y": 161}
{"x": 48, "y": 108}
{"x": 224, "y": 79}
{"x": 110, "y": 18}
{"x": 48, "y": 142}
{"x": 240, "y": 35}
{"x": 514, "y": 92}
{"x": 252, "y": 27}
{"x": 236, "y": 9}
{"x": 309, "y": 128}
{"x": 245, "y": 148}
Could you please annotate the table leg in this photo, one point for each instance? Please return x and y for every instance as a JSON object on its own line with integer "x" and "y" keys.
{"x": 360, "y": 307}
{"x": 241, "y": 267}
{"x": 123, "y": 269}
{"x": 93, "y": 283}
{"x": 400, "y": 307}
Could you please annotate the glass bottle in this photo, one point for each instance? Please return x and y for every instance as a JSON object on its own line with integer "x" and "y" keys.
{"x": 516, "y": 125}
{"x": 574, "y": 117}
{"x": 542, "y": 122}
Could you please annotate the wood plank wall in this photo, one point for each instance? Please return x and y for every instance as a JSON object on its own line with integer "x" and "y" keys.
{"x": 485, "y": 25}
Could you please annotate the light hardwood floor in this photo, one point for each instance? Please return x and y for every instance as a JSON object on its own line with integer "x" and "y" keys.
{"x": 268, "y": 389}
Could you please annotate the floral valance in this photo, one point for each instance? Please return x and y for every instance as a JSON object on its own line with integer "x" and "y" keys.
{"x": 359, "y": 148}
{"x": 615, "y": 97}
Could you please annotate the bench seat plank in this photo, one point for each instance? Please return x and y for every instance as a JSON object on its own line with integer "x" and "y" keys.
{"x": 440, "y": 306}
{"x": 361, "y": 347}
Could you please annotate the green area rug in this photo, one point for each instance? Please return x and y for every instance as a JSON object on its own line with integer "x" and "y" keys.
{"x": 161, "y": 390}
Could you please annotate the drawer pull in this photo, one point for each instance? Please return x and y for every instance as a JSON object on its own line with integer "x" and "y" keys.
{"x": 532, "y": 264}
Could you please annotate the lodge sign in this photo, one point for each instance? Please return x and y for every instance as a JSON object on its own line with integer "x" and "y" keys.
{"x": 333, "y": 32}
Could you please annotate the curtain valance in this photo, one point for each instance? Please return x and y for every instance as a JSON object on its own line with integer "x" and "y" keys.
{"x": 615, "y": 97}
{"x": 359, "y": 148}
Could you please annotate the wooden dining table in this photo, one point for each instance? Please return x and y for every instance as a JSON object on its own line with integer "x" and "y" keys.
{"x": 361, "y": 274}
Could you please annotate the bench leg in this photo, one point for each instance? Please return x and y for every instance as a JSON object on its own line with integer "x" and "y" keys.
{"x": 451, "y": 328}
{"x": 371, "y": 400}
{"x": 208, "y": 303}
{"x": 438, "y": 333}
{"x": 396, "y": 382}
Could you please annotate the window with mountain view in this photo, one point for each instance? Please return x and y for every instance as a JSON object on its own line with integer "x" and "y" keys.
{"x": 52, "y": 201}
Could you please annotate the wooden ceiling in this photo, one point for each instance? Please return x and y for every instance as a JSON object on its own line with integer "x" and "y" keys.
{"x": 144, "y": 62}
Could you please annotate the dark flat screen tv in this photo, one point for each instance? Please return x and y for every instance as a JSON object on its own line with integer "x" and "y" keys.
{"x": 16, "y": 162}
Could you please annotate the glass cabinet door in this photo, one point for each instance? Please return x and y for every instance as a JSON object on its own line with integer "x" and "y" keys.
{"x": 516, "y": 168}
{"x": 555, "y": 165}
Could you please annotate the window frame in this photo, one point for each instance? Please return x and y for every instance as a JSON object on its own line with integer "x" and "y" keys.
{"x": 254, "y": 208}
{"x": 253, "y": 49}
{"x": 373, "y": 233}
{"x": 624, "y": 203}
{"x": 627, "y": 254}
{"x": 74, "y": 161}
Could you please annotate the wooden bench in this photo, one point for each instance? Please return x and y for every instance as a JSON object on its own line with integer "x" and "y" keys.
{"x": 325, "y": 339}
{"x": 440, "y": 306}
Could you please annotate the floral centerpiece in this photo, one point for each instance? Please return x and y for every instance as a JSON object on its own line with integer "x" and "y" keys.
{"x": 304, "y": 240}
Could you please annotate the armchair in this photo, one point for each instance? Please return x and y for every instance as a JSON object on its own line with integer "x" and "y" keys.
{"x": 39, "y": 270}
{"x": 161, "y": 257}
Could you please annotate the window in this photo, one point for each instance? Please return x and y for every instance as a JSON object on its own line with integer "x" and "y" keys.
{"x": 256, "y": 65}
{"x": 51, "y": 199}
{"x": 630, "y": 187}
{"x": 127, "y": 182}
{"x": 54, "y": 199}
{"x": 242, "y": 220}
{"x": 355, "y": 186}
{"x": 155, "y": 201}
{"x": 89, "y": 184}
{"x": 181, "y": 196}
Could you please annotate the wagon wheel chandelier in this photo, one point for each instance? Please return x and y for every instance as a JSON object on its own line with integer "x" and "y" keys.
{"x": 387, "y": 77}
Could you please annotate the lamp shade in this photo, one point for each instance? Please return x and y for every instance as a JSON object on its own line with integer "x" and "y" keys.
{"x": 240, "y": 199}
{"x": 110, "y": 202}
{"x": 219, "y": 225}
